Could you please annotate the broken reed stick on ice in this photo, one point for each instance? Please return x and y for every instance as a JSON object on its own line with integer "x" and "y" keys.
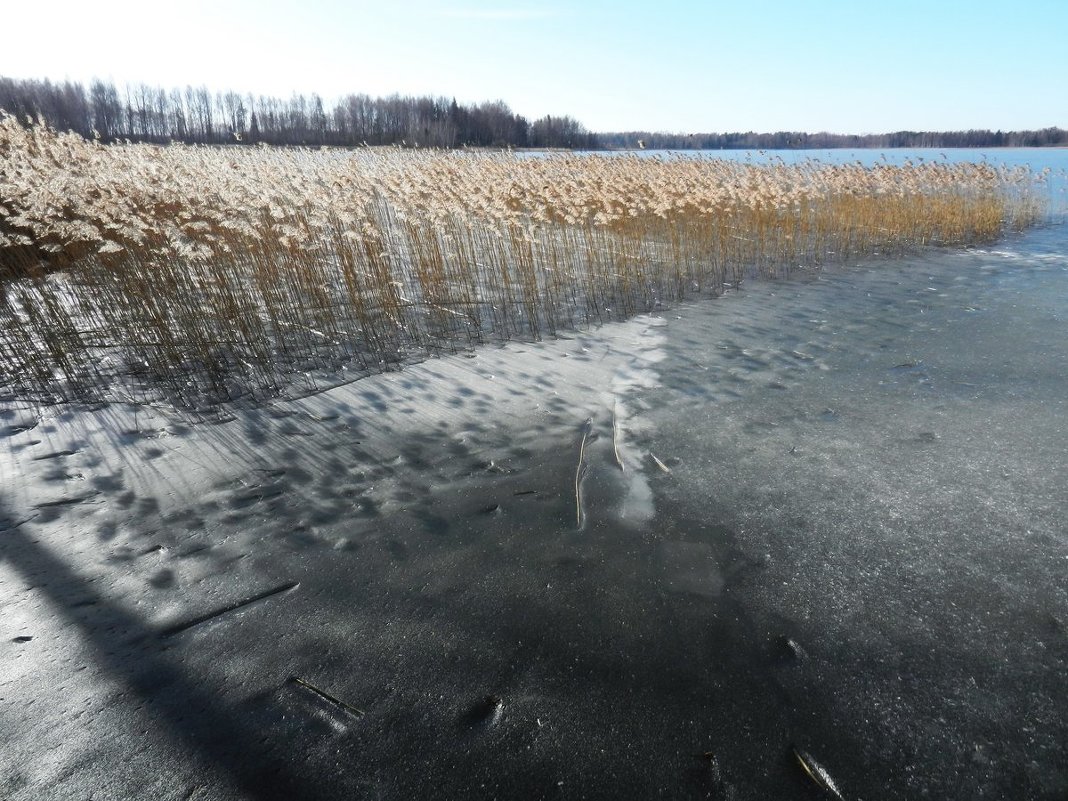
{"x": 660, "y": 464}
{"x": 580, "y": 514}
{"x": 615, "y": 437}
{"x": 326, "y": 696}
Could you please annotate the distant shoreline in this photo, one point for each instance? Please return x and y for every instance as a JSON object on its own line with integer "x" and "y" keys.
{"x": 194, "y": 115}
{"x": 803, "y": 149}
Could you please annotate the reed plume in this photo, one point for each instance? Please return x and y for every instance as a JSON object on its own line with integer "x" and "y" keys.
{"x": 209, "y": 272}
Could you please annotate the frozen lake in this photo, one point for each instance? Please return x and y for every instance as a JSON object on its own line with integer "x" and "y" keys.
{"x": 838, "y": 527}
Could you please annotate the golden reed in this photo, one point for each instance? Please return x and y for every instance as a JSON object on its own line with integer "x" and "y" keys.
{"x": 208, "y": 271}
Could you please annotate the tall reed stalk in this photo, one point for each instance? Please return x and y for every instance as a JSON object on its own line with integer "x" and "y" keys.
{"x": 210, "y": 272}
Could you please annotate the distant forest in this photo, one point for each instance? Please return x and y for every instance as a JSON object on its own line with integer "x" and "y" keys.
{"x": 788, "y": 140}
{"x": 195, "y": 115}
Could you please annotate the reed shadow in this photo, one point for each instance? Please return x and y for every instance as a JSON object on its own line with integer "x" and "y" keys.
{"x": 134, "y": 655}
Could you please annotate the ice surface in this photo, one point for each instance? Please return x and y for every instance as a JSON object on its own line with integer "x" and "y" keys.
{"x": 851, "y": 541}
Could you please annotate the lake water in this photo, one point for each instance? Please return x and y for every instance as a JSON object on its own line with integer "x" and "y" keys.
{"x": 1037, "y": 158}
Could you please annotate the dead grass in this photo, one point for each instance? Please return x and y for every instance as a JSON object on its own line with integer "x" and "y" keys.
{"x": 211, "y": 272}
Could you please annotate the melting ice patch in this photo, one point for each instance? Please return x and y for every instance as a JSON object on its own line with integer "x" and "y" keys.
{"x": 636, "y": 504}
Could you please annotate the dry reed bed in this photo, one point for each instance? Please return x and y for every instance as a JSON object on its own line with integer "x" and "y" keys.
{"x": 208, "y": 272}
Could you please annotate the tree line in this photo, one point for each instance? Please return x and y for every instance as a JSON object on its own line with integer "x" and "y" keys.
{"x": 793, "y": 140}
{"x": 195, "y": 115}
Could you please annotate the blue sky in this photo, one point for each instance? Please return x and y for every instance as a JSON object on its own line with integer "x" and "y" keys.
{"x": 847, "y": 67}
